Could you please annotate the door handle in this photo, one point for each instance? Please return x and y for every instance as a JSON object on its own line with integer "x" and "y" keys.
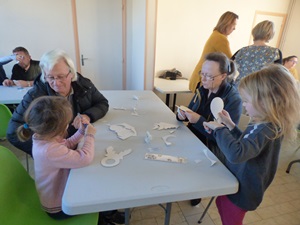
{"x": 82, "y": 60}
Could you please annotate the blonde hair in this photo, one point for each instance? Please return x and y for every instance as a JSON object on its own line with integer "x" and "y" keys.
{"x": 275, "y": 96}
{"x": 226, "y": 20}
{"x": 263, "y": 31}
{"x": 47, "y": 116}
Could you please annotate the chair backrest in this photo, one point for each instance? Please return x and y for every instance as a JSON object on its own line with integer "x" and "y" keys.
{"x": 5, "y": 115}
{"x": 19, "y": 201}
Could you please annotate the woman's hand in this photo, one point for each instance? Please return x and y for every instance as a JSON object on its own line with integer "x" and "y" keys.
{"x": 80, "y": 120}
{"x": 192, "y": 116}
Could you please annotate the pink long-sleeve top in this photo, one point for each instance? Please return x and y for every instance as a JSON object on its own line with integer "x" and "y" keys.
{"x": 52, "y": 163}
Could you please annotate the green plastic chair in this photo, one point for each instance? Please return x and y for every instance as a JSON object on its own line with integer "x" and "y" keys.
{"x": 5, "y": 115}
{"x": 19, "y": 201}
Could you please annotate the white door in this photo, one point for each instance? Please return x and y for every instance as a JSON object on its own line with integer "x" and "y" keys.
{"x": 100, "y": 42}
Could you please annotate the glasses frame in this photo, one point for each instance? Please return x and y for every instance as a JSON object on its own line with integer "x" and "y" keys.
{"x": 210, "y": 78}
{"x": 293, "y": 61}
{"x": 59, "y": 78}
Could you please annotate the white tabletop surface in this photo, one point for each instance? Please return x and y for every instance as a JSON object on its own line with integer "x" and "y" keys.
{"x": 12, "y": 95}
{"x": 137, "y": 181}
{"x": 171, "y": 86}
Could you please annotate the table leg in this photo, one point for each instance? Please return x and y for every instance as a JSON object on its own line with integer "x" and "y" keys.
{"x": 168, "y": 213}
{"x": 174, "y": 102}
{"x": 206, "y": 209}
{"x": 127, "y": 216}
{"x": 167, "y": 99}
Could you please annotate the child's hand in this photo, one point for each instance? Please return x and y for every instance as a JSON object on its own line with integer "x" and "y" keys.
{"x": 226, "y": 119}
{"x": 90, "y": 129}
{"x": 211, "y": 125}
{"x": 84, "y": 122}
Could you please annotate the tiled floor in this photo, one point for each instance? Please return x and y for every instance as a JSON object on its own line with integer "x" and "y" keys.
{"x": 281, "y": 204}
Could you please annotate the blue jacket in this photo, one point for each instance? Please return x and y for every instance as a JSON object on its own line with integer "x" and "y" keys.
{"x": 201, "y": 104}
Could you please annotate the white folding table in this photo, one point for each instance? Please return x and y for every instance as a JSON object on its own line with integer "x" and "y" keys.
{"x": 169, "y": 87}
{"x": 12, "y": 95}
{"x": 137, "y": 181}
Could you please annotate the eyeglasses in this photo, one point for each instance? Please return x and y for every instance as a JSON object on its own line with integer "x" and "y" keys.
{"x": 58, "y": 78}
{"x": 293, "y": 61}
{"x": 208, "y": 76}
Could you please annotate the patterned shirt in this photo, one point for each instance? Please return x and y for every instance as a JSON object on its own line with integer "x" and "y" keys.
{"x": 253, "y": 58}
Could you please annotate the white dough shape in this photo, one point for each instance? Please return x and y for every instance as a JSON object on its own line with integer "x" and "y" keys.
{"x": 134, "y": 112}
{"x": 148, "y": 137}
{"x": 216, "y": 106}
{"x": 212, "y": 162}
{"x": 184, "y": 108}
{"x": 135, "y": 97}
{"x": 164, "y": 126}
{"x": 123, "y": 130}
{"x": 166, "y": 141}
{"x": 119, "y": 108}
{"x": 112, "y": 158}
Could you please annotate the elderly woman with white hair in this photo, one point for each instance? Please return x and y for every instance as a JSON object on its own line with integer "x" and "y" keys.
{"x": 60, "y": 78}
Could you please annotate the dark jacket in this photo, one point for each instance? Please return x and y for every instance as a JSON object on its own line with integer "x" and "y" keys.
{"x": 86, "y": 100}
{"x": 201, "y": 105}
{"x": 19, "y": 73}
{"x": 252, "y": 156}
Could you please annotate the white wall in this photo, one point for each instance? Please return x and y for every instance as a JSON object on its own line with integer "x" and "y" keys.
{"x": 184, "y": 26}
{"x": 136, "y": 30}
{"x": 290, "y": 42}
{"x": 39, "y": 26}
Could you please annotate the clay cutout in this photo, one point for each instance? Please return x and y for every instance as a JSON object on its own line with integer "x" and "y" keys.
{"x": 134, "y": 111}
{"x": 112, "y": 158}
{"x": 165, "y": 139}
{"x": 216, "y": 106}
{"x": 119, "y": 108}
{"x": 212, "y": 162}
{"x": 123, "y": 130}
{"x": 165, "y": 158}
{"x": 184, "y": 108}
{"x": 164, "y": 126}
{"x": 148, "y": 137}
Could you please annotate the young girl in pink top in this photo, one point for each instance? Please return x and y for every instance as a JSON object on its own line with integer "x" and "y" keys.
{"x": 47, "y": 120}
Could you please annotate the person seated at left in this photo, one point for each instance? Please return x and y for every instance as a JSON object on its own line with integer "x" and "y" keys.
{"x": 3, "y": 61}
{"x": 25, "y": 71}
